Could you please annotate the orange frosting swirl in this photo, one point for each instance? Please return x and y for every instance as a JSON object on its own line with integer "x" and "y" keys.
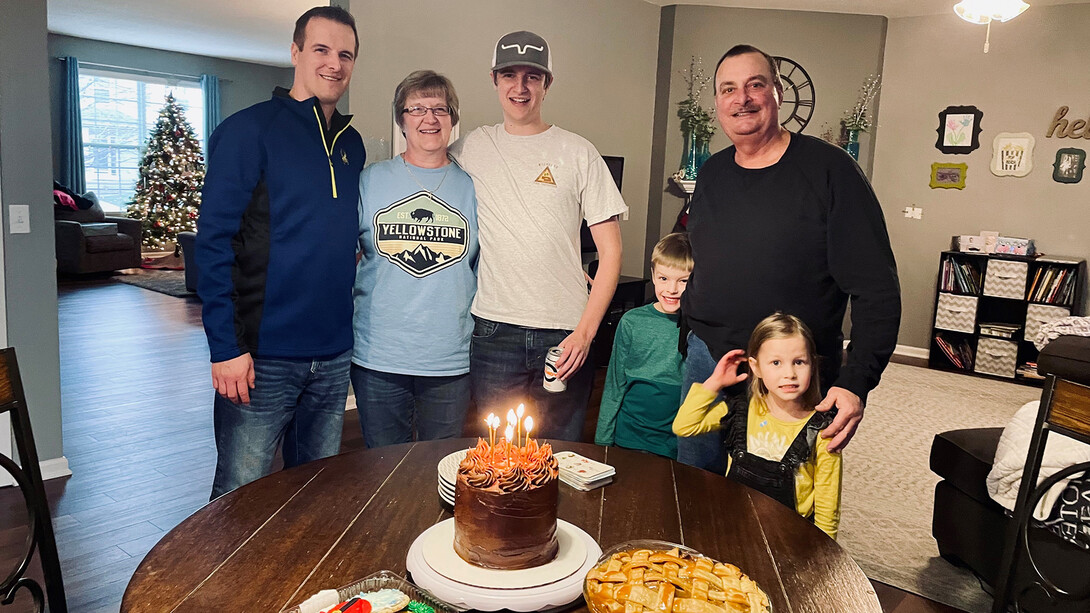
{"x": 512, "y": 468}
{"x": 514, "y": 479}
{"x": 483, "y": 478}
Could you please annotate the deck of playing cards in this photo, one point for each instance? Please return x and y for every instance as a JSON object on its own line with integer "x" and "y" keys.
{"x": 583, "y": 473}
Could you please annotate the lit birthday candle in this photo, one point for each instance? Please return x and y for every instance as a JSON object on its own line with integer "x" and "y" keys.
{"x": 509, "y": 433}
{"x": 518, "y": 420}
{"x": 529, "y": 426}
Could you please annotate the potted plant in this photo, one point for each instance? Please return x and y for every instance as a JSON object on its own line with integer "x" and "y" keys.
{"x": 696, "y": 122}
{"x": 858, "y": 118}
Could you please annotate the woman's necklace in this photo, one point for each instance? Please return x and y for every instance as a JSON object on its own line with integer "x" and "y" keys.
{"x": 409, "y": 168}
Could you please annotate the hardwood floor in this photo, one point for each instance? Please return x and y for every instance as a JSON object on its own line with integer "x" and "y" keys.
{"x": 137, "y": 426}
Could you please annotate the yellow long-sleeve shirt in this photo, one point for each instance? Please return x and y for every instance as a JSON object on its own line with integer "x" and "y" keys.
{"x": 817, "y": 481}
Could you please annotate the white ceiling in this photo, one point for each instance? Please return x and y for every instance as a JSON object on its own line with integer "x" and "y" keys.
{"x": 260, "y": 31}
{"x": 248, "y": 30}
{"x": 889, "y": 8}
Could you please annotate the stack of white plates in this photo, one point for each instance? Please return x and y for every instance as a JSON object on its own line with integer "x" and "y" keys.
{"x": 448, "y": 473}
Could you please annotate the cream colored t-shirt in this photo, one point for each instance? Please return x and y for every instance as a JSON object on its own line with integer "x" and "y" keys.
{"x": 532, "y": 194}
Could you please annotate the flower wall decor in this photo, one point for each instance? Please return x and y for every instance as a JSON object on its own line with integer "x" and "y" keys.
{"x": 1012, "y": 154}
{"x": 959, "y": 129}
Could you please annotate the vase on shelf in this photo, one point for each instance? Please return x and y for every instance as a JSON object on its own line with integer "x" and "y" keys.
{"x": 852, "y": 146}
{"x": 703, "y": 152}
{"x": 693, "y": 156}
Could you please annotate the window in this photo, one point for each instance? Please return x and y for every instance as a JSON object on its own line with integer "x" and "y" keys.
{"x": 119, "y": 111}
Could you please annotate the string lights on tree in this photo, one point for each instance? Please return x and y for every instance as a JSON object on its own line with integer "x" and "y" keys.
{"x": 168, "y": 192}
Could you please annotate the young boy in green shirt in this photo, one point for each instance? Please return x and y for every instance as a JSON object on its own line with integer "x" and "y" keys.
{"x": 643, "y": 383}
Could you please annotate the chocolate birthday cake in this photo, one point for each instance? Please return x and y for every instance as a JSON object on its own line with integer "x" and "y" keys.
{"x": 505, "y": 505}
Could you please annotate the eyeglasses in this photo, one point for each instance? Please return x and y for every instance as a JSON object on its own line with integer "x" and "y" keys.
{"x": 420, "y": 111}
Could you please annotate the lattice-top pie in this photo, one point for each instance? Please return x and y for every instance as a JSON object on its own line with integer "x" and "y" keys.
{"x": 645, "y": 580}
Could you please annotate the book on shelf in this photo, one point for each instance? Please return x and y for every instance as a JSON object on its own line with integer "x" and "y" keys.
{"x": 1052, "y": 285}
{"x": 958, "y": 352}
{"x": 960, "y": 277}
{"x": 1033, "y": 286}
{"x": 1058, "y": 259}
{"x": 1000, "y": 329}
{"x": 1028, "y": 370}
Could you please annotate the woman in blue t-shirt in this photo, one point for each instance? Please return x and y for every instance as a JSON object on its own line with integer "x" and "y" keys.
{"x": 416, "y": 276}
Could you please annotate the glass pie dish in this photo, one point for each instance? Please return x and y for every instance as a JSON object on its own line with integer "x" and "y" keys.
{"x": 655, "y": 574}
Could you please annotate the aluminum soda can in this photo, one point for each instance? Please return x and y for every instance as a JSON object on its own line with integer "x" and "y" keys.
{"x": 552, "y": 382}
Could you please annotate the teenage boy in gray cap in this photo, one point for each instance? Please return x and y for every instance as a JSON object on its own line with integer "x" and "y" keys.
{"x": 535, "y": 183}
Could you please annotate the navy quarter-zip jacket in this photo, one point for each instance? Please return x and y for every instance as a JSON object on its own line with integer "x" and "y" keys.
{"x": 277, "y": 232}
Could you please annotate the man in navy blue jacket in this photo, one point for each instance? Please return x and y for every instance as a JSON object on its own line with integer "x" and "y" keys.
{"x": 276, "y": 247}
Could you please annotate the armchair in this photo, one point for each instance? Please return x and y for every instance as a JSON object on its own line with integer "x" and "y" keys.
{"x": 87, "y": 241}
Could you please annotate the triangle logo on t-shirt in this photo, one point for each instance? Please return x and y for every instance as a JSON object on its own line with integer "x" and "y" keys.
{"x": 546, "y": 177}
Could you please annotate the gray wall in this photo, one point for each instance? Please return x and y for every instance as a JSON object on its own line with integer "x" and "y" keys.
{"x": 838, "y": 52}
{"x": 29, "y": 261}
{"x": 1036, "y": 64}
{"x": 241, "y": 83}
{"x": 604, "y": 56}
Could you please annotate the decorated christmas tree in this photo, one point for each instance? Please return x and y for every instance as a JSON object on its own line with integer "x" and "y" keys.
{"x": 168, "y": 192}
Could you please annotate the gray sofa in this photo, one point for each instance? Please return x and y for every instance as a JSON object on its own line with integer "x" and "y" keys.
{"x": 970, "y": 528}
{"x": 88, "y": 241}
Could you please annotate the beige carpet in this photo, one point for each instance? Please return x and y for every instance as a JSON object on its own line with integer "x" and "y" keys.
{"x": 889, "y": 490}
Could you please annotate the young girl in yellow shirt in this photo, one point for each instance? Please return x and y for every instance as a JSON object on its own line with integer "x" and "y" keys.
{"x": 772, "y": 437}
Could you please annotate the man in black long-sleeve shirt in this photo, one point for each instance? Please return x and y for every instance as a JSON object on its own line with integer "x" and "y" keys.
{"x": 785, "y": 222}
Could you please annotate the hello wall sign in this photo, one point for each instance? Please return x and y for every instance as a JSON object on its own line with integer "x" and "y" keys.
{"x": 1077, "y": 128}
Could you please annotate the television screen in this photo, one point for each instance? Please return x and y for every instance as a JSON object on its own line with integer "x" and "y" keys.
{"x": 616, "y": 168}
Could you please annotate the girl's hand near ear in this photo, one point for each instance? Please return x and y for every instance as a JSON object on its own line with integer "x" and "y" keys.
{"x": 726, "y": 371}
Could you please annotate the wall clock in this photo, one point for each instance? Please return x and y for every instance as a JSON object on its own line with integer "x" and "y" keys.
{"x": 798, "y": 95}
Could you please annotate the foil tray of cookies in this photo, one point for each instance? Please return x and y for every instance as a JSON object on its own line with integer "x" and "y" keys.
{"x": 645, "y": 576}
{"x": 382, "y": 592}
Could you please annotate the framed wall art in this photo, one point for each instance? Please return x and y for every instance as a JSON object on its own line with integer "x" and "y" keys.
{"x": 1069, "y": 165}
{"x": 959, "y": 129}
{"x": 1012, "y": 154}
{"x": 948, "y": 176}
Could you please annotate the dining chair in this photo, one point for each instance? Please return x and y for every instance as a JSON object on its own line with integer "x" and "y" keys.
{"x": 1065, "y": 409}
{"x": 29, "y": 479}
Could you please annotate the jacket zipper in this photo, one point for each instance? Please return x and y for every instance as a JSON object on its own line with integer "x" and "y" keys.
{"x": 329, "y": 149}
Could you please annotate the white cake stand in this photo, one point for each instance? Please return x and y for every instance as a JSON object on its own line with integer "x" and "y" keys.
{"x": 556, "y": 584}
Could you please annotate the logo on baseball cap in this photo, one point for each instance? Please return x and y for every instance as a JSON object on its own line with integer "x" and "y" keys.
{"x": 522, "y": 49}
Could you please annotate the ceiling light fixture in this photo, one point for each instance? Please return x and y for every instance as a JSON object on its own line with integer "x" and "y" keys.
{"x": 985, "y": 11}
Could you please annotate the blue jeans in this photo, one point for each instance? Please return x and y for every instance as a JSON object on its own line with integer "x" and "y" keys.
{"x": 298, "y": 402}
{"x": 507, "y": 366}
{"x": 389, "y": 404}
{"x": 703, "y": 450}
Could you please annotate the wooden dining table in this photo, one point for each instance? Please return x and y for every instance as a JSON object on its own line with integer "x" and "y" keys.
{"x": 271, "y": 544}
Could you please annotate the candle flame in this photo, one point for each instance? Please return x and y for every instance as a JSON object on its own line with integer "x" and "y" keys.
{"x": 511, "y": 418}
{"x": 521, "y": 409}
{"x": 528, "y": 425}
{"x": 509, "y": 433}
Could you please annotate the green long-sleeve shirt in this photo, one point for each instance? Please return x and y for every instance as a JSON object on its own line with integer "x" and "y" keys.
{"x": 643, "y": 384}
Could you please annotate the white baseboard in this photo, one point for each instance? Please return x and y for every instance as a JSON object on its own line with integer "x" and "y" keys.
{"x": 906, "y": 351}
{"x": 51, "y": 469}
{"x": 57, "y": 467}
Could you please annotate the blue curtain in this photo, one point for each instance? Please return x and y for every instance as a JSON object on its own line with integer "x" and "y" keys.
{"x": 72, "y": 135}
{"x": 210, "y": 85}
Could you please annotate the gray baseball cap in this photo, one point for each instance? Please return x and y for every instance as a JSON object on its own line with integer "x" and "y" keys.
{"x": 522, "y": 49}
